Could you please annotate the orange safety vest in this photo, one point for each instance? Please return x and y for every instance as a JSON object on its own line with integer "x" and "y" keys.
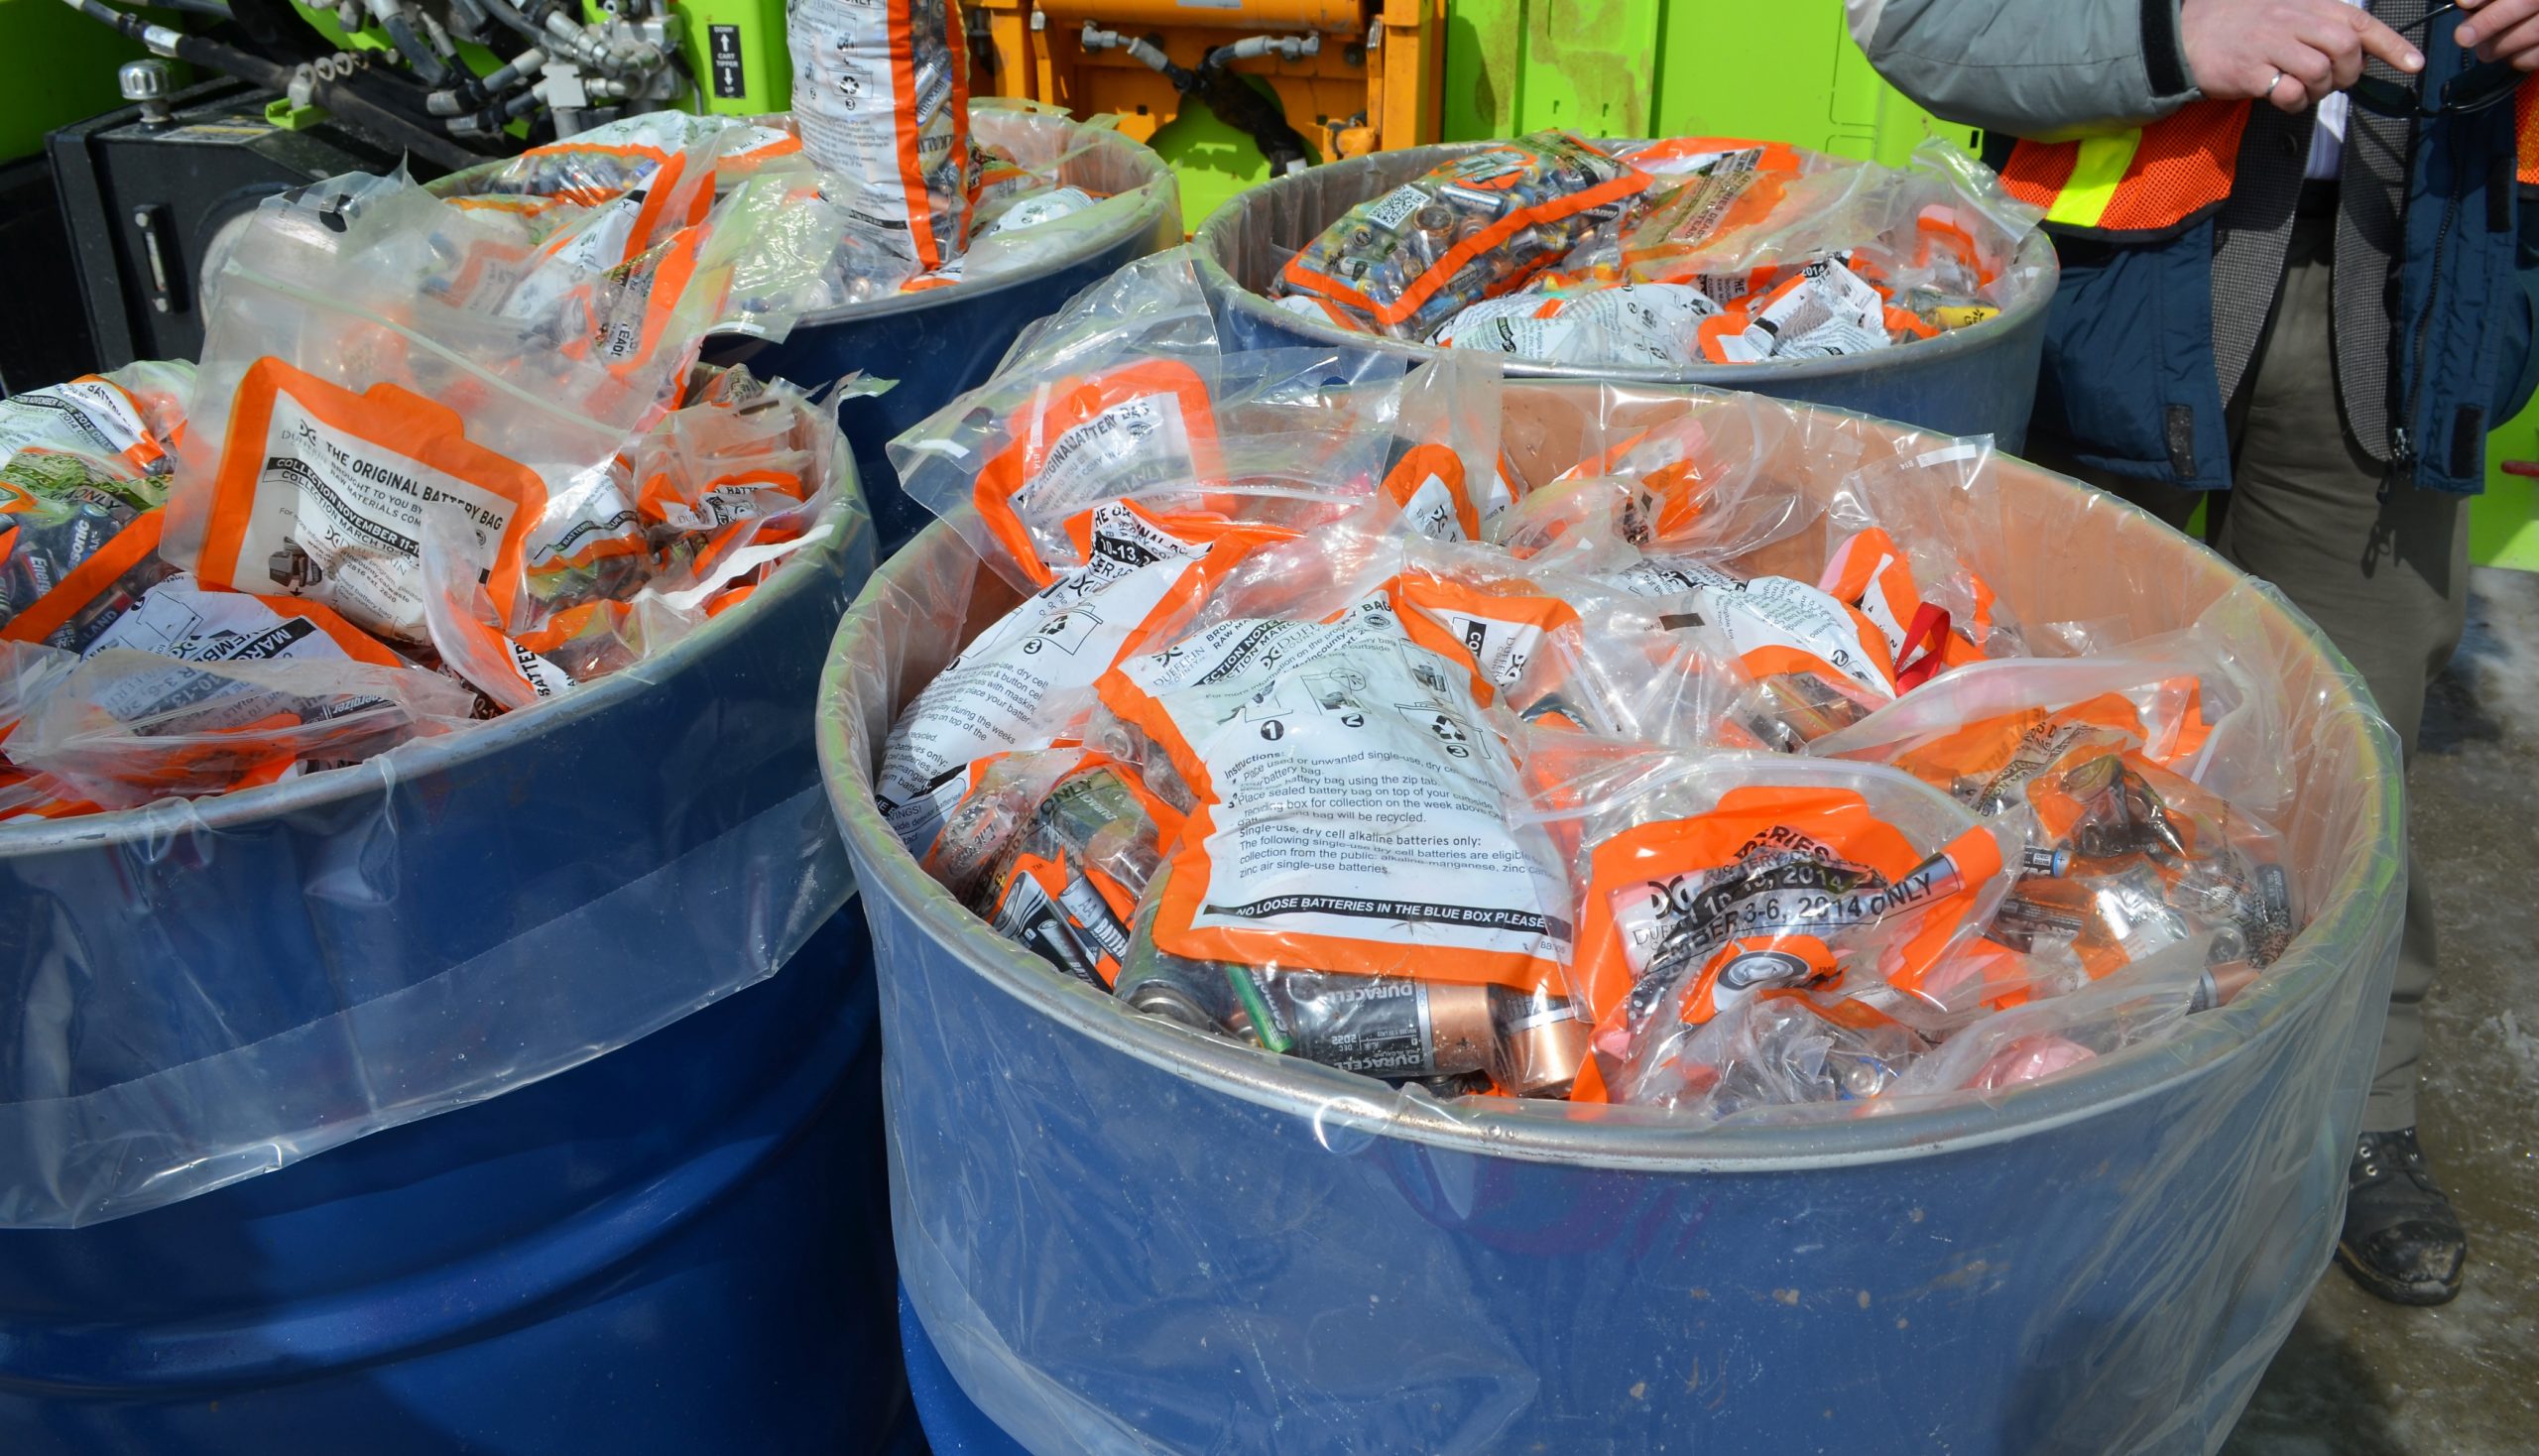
{"x": 2172, "y": 172}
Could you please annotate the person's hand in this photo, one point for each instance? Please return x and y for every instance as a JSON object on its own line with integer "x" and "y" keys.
{"x": 2503, "y": 30}
{"x": 2294, "y": 53}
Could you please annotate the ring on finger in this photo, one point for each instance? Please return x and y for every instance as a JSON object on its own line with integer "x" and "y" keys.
{"x": 2278, "y": 80}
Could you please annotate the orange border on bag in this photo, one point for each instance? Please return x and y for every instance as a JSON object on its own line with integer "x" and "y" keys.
{"x": 1418, "y": 596}
{"x": 389, "y": 415}
{"x": 1421, "y": 289}
{"x": 1176, "y": 934}
{"x": 1073, "y": 402}
{"x": 85, "y": 583}
{"x": 1403, "y": 480}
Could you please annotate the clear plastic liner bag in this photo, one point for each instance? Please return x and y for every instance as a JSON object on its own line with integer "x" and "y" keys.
{"x": 130, "y": 417}
{"x": 882, "y": 99}
{"x": 1475, "y": 227}
{"x": 1702, "y": 879}
{"x": 1042, "y": 230}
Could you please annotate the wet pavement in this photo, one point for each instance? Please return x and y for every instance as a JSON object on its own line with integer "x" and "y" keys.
{"x": 2359, "y": 1378}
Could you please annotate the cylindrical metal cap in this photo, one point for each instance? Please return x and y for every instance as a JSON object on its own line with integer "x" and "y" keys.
{"x": 143, "y": 81}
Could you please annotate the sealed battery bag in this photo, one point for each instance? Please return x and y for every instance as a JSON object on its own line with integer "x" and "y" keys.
{"x": 2187, "y": 699}
{"x": 1351, "y": 839}
{"x": 131, "y": 726}
{"x": 1701, "y": 481}
{"x": 1653, "y": 324}
{"x": 1784, "y": 1048}
{"x": 1067, "y": 880}
{"x": 1704, "y": 188}
{"x": 1702, "y": 879}
{"x": 1899, "y": 548}
{"x": 1163, "y": 421}
{"x": 1942, "y": 224}
{"x": 1821, "y": 311}
{"x": 644, "y": 549}
{"x": 2145, "y": 1004}
{"x": 599, "y": 163}
{"x": 881, "y": 97}
{"x": 1474, "y": 227}
{"x": 1558, "y": 648}
{"x": 1021, "y": 682}
{"x": 335, "y": 408}
{"x": 2126, "y": 858}
{"x": 1648, "y": 669}
{"x": 1445, "y": 475}
{"x": 58, "y": 510}
{"x": 1820, "y": 662}
{"x": 1452, "y": 974}
{"x": 130, "y": 415}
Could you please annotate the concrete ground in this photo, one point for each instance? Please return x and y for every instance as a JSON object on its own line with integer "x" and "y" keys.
{"x": 2359, "y": 1378}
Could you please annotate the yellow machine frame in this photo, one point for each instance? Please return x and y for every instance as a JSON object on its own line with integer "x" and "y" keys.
{"x": 1375, "y": 84}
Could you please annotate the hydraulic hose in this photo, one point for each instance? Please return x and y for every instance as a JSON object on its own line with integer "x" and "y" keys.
{"x": 337, "y": 97}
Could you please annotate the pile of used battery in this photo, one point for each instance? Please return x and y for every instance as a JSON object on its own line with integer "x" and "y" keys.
{"x": 1669, "y": 253}
{"x": 881, "y": 105}
{"x": 1356, "y": 713}
{"x": 440, "y": 460}
{"x": 998, "y": 215}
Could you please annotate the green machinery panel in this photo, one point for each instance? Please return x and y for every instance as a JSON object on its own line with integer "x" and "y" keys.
{"x": 56, "y": 67}
{"x": 1785, "y": 70}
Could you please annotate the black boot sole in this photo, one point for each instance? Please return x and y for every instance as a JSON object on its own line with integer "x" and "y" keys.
{"x": 2381, "y": 1287}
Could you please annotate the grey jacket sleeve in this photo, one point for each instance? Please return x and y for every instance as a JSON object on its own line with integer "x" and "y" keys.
{"x": 2042, "y": 69}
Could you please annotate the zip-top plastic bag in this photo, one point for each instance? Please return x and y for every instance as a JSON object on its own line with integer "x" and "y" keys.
{"x": 1028, "y": 678}
{"x": 131, "y": 416}
{"x": 1350, "y": 838}
{"x": 1657, "y": 323}
{"x": 338, "y": 404}
{"x": 616, "y": 157}
{"x": 882, "y": 96}
{"x": 1703, "y": 879}
{"x": 1125, "y": 396}
{"x": 1474, "y": 227}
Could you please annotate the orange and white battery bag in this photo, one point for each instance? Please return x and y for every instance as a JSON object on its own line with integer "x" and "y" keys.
{"x": 1702, "y": 879}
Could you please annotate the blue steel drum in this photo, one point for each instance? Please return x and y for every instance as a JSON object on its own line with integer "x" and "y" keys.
{"x": 1119, "y": 1235}
{"x": 1979, "y": 380}
{"x": 676, "y": 1247}
{"x": 951, "y": 1424}
{"x": 937, "y": 343}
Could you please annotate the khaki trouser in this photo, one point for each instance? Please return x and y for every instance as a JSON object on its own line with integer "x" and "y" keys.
{"x": 2386, "y": 578}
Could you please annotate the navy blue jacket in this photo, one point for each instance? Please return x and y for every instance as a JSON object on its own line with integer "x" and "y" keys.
{"x": 2130, "y": 383}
